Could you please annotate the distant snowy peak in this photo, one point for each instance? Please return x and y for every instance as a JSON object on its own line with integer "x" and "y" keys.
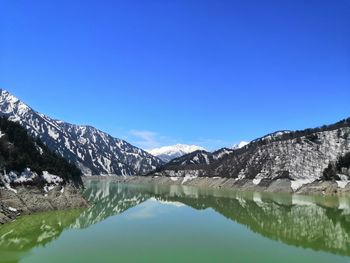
{"x": 240, "y": 145}
{"x": 168, "y": 153}
{"x": 93, "y": 151}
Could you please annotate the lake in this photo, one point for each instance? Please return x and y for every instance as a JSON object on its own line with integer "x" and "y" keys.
{"x": 153, "y": 223}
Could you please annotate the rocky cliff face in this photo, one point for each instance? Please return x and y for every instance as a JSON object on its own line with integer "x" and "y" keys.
{"x": 300, "y": 155}
{"x": 31, "y": 199}
{"x": 93, "y": 151}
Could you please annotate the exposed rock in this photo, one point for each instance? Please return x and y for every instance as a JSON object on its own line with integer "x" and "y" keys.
{"x": 31, "y": 199}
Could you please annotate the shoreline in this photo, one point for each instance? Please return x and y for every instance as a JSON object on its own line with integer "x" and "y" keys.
{"x": 328, "y": 188}
{"x": 31, "y": 199}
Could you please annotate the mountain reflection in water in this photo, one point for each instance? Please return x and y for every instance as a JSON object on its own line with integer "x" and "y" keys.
{"x": 318, "y": 223}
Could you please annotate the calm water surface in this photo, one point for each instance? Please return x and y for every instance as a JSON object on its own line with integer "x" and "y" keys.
{"x": 129, "y": 223}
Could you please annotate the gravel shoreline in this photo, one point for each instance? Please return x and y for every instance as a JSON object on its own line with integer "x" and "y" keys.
{"x": 275, "y": 186}
{"x": 31, "y": 199}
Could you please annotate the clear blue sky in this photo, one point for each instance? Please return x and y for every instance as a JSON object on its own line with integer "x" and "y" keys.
{"x": 159, "y": 72}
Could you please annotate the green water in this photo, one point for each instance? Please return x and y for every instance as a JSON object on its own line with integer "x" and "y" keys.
{"x": 129, "y": 223}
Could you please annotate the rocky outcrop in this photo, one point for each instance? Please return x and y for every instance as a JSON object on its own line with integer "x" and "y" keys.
{"x": 31, "y": 199}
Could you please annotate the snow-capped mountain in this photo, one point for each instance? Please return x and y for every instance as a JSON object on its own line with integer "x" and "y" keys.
{"x": 301, "y": 156}
{"x": 93, "y": 151}
{"x": 197, "y": 157}
{"x": 200, "y": 157}
{"x": 167, "y": 153}
{"x": 240, "y": 145}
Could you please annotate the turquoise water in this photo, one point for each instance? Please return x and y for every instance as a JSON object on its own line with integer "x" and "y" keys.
{"x": 130, "y": 223}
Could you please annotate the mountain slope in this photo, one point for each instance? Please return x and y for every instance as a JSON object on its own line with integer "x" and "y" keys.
{"x": 299, "y": 155}
{"x": 199, "y": 157}
{"x": 93, "y": 151}
{"x": 19, "y": 151}
{"x": 167, "y": 153}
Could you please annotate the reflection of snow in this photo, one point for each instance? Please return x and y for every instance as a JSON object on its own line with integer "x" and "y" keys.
{"x": 145, "y": 210}
{"x": 241, "y": 201}
{"x": 151, "y": 208}
{"x": 176, "y": 204}
{"x": 302, "y": 200}
{"x": 257, "y": 198}
{"x": 258, "y": 201}
{"x": 344, "y": 204}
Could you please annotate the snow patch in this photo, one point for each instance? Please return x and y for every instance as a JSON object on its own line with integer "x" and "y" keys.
{"x": 12, "y": 209}
{"x": 52, "y": 179}
{"x": 343, "y": 181}
{"x": 342, "y": 184}
{"x": 26, "y": 176}
{"x": 297, "y": 184}
{"x": 167, "y": 153}
{"x": 54, "y": 134}
{"x": 257, "y": 181}
{"x": 239, "y": 145}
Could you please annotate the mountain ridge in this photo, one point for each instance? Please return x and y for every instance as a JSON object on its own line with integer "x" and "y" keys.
{"x": 239, "y": 145}
{"x": 296, "y": 155}
{"x": 93, "y": 151}
{"x": 167, "y": 153}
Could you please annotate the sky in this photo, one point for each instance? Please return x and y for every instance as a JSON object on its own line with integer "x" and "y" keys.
{"x": 160, "y": 72}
